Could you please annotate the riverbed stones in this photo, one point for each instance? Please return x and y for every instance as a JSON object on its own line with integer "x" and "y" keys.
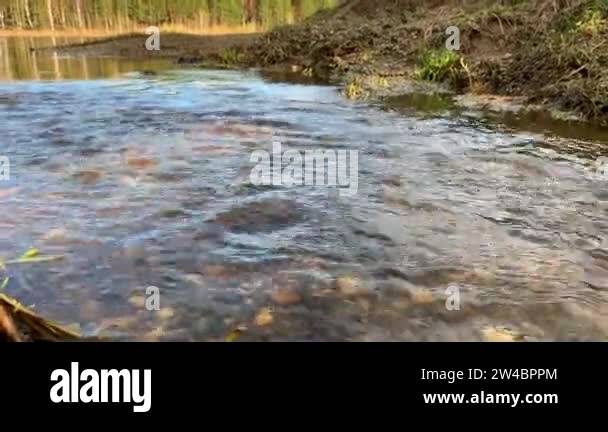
{"x": 153, "y": 335}
{"x": 401, "y": 289}
{"x": 216, "y": 271}
{"x": 265, "y": 216}
{"x": 286, "y": 297}
{"x": 500, "y": 334}
{"x": 116, "y": 324}
{"x": 231, "y": 298}
{"x": 264, "y": 318}
{"x": 137, "y": 301}
{"x": 134, "y": 249}
{"x": 141, "y": 163}
{"x": 203, "y": 327}
{"x": 128, "y": 181}
{"x": 350, "y": 286}
{"x": 55, "y": 234}
{"x": 166, "y": 313}
{"x": 90, "y": 310}
{"x": 195, "y": 279}
{"x": 421, "y": 295}
{"x": 87, "y": 177}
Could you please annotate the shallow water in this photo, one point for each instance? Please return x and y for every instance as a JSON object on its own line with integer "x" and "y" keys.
{"x": 20, "y": 60}
{"x": 144, "y": 181}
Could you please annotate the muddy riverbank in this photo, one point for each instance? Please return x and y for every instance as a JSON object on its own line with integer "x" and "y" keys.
{"x": 182, "y": 48}
{"x": 548, "y": 53}
{"x": 534, "y": 55}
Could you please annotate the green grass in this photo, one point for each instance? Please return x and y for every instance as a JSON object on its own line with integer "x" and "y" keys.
{"x": 588, "y": 18}
{"x": 354, "y": 89}
{"x": 437, "y": 65}
{"x": 231, "y": 57}
{"x": 590, "y": 22}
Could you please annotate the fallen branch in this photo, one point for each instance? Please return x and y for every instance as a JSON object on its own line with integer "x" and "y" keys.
{"x": 8, "y": 330}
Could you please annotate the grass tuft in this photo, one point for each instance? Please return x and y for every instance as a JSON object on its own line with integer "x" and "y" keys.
{"x": 354, "y": 89}
{"x": 437, "y": 65}
{"x": 231, "y": 57}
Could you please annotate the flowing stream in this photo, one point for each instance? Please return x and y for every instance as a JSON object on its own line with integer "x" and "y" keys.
{"x": 461, "y": 228}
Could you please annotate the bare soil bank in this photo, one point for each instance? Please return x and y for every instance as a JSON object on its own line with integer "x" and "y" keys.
{"x": 550, "y": 52}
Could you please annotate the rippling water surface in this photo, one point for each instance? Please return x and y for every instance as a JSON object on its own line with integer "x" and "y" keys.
{"x": 143, "y": 180}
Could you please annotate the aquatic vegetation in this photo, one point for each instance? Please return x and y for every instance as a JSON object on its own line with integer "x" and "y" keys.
{"x": 361, "y": 86}
{"x": 31, "y": 256}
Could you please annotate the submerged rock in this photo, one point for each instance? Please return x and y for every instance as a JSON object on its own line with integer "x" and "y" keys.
{"x": 264, "y": 318}
{"x": 351, "y": 286}
{"x": 500, "y": 334}
{"x": 286, "y": 297}
{"x": 87, "y": 176}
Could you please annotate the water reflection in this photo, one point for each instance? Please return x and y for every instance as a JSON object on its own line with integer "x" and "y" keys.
{"x": 20, "y": 60}
{"x": 585, "y": 136}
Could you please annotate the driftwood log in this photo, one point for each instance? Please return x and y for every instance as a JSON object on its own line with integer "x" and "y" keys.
{"x": 8, "y": 329}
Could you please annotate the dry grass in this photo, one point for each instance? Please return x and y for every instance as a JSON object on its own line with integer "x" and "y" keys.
{"x": 18, "y": 323}
{"x": 102, "y": 33}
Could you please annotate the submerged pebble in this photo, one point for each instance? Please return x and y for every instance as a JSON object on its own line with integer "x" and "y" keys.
{"x": 351, "y": 286}
{"x": 500, "y": 334}
{"x": 286, "y": 297}
{"x": 264, "y": 318}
